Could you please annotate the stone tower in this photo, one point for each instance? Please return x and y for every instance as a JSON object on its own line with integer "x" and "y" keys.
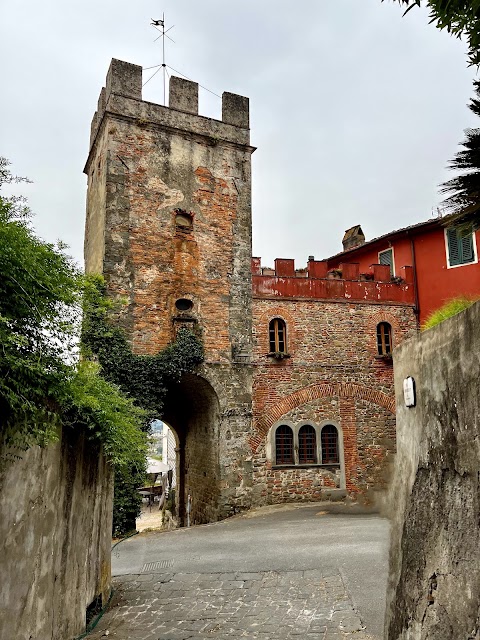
{"x": 169, "y": 225}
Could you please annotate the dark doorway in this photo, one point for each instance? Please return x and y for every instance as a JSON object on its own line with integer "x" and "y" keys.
{"x": 192, "y": 410}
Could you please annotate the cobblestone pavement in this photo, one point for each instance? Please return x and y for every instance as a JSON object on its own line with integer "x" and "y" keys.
{"x": 264, "y": 605}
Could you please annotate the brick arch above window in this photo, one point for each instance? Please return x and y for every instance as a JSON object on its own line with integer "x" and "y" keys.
{"x": 262, "y": 319}
{"x": 371, "y": 330}
{"x": 314, "y": 392}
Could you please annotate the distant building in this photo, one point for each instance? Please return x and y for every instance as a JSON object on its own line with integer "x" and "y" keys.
{"x": 169, "y": 451}
{"x": 156, "y": 439}
{"x": 163, "y": 446}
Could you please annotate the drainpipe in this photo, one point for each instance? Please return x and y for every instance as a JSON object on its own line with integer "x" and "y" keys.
{"x": 415, "y": 281}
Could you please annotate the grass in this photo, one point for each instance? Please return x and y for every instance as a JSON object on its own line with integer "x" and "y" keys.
{"x": 449, "y": 309}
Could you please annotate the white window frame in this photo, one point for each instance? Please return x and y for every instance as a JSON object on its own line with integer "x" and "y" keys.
{"x": 447, "y": 252}
{"x": 393, "y": 258}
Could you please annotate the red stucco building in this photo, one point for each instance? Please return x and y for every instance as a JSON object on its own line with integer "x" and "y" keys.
{"x": 444, "y": 261}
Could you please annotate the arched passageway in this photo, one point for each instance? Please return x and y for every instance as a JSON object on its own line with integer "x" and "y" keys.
{"x": 192, "y": 410}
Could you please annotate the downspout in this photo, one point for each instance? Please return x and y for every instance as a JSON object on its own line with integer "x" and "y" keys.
{"x": 416, "y": 309}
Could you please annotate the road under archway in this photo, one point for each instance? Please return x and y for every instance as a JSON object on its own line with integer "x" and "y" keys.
{"x": 192, "y": 410}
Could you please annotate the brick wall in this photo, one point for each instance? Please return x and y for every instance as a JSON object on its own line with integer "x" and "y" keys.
{"x": 333, "y": 374}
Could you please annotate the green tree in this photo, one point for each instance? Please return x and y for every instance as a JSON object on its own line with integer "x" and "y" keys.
{"x": 42, "y": 384}
{"x": 461, "y": 18}
{"x": 463, "y": 191}
{"x": 39, "y": 296}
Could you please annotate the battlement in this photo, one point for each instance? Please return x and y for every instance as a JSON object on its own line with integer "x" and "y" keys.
{"x": 346, "y": 283}
{"x": 122, "y": 95}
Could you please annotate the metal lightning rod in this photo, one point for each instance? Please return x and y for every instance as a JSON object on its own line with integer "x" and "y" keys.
{"x": 159, "y": 25}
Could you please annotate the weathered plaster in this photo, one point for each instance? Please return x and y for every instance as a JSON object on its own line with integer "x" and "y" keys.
{"x": 434, "y": 582}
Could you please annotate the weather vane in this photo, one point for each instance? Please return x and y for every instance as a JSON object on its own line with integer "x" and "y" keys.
{"x": 159, "y": 25}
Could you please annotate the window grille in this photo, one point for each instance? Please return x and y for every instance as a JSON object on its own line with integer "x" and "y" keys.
{"x": 386, "y": 257}
{"x": 460, "y": 246}
{"x": 284, "y": 445}
{"x": 329, "y": 438}
{"x": 307, "y": 445}
{"x": 278, "y": 336}
{"x": 384, "y": 339}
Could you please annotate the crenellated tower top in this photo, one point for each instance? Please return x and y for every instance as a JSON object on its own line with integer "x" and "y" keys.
{"x": 122, "y": 95}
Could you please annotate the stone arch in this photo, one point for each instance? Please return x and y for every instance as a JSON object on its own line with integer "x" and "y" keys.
{"x": 314, "y": 392}
{"x": 192, "y": 409}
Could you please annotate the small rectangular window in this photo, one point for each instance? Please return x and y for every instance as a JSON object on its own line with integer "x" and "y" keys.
{"x": 277, "y": 335}
{"x": 386, "y": 257}
{"x": 460, "y": 246}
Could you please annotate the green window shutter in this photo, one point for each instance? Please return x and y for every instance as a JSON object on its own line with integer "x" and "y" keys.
{"x": 466, "y": 242}
{"x": 454, "y": 248}
{"x": 460, "y": 246}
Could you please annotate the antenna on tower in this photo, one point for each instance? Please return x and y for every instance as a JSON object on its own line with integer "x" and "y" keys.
{"x": 159, "y": 25}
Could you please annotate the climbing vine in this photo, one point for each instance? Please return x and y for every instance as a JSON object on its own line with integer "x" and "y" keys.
{"x": 143, "y": 378}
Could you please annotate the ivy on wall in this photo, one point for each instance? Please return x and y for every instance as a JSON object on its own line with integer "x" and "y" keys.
{"x": 143, "y": 378}
{"x": 111, "y": 392}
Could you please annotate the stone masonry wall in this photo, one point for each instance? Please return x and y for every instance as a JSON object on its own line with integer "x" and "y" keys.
{"x": 176, "y": 223}
{"x": 333, "y": 375}
{"x": 55, "y": 532}
{"x": 434, "y": 581}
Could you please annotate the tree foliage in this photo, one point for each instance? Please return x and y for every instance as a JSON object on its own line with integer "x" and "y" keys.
{"x": 39, "y": 295}
{"x": 42, "y": 386}
{"x": 461, "y": 18}
{"x": 463, "y": 200}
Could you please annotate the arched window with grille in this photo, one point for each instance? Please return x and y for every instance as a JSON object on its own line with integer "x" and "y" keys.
{"x": 329, "y": 438}
{"x": 278, "y": 335}
{"x": 384, "y": 339}
{"x": 307, "y": 445}
{"x": 284, "y": 445}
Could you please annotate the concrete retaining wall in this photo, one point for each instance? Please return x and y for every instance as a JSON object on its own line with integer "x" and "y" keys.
{"x": 55, "y": 537}
{"x": 434, "y": 582}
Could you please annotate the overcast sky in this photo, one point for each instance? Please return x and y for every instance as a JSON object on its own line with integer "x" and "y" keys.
{"x": 355, "y": 110}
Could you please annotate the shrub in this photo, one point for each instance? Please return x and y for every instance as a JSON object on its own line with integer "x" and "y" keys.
{"x": 449, "y": 309}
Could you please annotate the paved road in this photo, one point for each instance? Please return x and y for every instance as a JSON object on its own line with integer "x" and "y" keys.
{"x": 308, "y": 571}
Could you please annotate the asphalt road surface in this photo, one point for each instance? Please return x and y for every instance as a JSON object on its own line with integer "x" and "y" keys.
{"x": 316, "y": 571}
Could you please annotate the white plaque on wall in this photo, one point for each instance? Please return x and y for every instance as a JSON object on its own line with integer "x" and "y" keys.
{"x": 409, "y": 391}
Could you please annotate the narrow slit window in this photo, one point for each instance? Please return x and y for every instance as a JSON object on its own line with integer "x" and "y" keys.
{"x": 384, "y": 339}
{"x": 284, "y": 445}
{"x": 307, "y": 445}
{"x": 329, "y": 438}
{"x": 278, "y": 336}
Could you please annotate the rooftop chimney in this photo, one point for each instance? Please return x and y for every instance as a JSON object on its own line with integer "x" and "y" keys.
{"x": 354, "y": 237}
